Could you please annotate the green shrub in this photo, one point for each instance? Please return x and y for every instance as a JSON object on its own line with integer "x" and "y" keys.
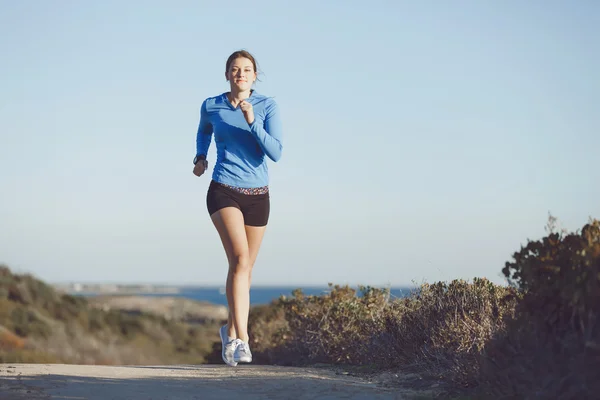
{"x": 552, "y": 347}
{"x": 560, "y": 276}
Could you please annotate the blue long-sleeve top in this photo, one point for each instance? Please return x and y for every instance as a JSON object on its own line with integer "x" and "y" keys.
{"x": 241, "y": 147}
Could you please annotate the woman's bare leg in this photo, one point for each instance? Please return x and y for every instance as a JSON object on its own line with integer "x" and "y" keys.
{"x": 229, "y": 293}
{"x": 255, "y": 236}
{"x": 229, "y": 222}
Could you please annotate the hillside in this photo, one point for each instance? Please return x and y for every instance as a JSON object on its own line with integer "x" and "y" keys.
{"x": 41, "y": 324}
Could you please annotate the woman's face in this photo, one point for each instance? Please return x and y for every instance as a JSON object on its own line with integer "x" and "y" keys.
{"x": 241, "y": 74}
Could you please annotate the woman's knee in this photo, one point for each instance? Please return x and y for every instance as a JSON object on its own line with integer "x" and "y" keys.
{"x": 240, "y": 263}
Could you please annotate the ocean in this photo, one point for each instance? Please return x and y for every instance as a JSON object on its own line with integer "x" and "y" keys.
{"x": 258, "y": 295}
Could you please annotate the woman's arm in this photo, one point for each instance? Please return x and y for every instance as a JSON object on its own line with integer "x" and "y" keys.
{"x": 270, "y": 136}
{"x": 204, "y": 134}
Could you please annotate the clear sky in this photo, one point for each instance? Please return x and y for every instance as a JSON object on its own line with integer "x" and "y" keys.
{"x": 424, "y": 140}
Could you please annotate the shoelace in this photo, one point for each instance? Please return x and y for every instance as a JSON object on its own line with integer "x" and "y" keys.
{"x": 244, "y": 347}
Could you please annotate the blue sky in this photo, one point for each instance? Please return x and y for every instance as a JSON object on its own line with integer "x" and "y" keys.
{"x": 423, "y": 141}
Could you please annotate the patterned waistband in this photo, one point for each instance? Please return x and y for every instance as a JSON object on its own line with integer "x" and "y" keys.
{"x": 249, "y": 191}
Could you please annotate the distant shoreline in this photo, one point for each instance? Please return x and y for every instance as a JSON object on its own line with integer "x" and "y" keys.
{"x": 84, "y": 289}
{"x": 259, "y": 294}
{"x": 104, "y": 288}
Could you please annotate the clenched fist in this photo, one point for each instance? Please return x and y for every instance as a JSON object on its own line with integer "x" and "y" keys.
{"x": 248, "y": 111}
{"x": 200, "y": 167}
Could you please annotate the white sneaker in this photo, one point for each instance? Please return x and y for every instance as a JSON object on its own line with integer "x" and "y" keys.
{"x": 227, "y": 348}
{"x": 242, "y": 352}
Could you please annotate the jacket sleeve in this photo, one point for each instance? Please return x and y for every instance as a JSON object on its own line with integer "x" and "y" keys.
{"x": 205, "y": 131}
{"x": 269, "y": 136}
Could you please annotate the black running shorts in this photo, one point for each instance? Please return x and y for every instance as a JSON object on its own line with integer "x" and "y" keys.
{"x": 254, "y": 207}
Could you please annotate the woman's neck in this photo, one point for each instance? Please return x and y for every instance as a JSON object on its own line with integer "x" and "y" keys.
{"x": 236, "y": 97}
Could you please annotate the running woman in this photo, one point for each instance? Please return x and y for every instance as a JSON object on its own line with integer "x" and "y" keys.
{"x": 247, "y": 129}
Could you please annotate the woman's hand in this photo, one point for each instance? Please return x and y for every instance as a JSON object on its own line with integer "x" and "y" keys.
{"x": 200, "y": 167}
{"x": 248, "y": 111}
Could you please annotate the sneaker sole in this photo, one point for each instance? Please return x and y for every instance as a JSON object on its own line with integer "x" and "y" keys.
{"x": 233, "y": 364}
{"x": 244, "y": 359}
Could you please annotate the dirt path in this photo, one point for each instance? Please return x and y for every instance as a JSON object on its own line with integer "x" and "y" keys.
{"x": 247, "y": 382}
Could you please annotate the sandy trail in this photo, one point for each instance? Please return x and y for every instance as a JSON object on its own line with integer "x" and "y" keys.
{"x": 248, "y": 382}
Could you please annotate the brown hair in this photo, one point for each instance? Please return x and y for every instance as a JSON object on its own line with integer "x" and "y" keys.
{"x": 241, "y": 54}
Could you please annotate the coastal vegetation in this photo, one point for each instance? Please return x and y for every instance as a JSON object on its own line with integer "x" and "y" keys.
{"x": 536, "y": 337}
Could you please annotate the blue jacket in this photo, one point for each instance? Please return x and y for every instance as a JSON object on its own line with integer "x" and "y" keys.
{"x": 241, "y": 147}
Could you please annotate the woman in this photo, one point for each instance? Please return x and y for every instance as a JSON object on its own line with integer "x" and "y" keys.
{"x": 247, "y": 127}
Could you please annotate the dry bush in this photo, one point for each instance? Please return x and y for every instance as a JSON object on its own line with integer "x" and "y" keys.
{"x": 438, "y": 331}
{"x": 335, "y": 327}
{"x": 268, "y": 330}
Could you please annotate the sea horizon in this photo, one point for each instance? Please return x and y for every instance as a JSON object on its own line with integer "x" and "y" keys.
{"x": 215, "y": 294}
